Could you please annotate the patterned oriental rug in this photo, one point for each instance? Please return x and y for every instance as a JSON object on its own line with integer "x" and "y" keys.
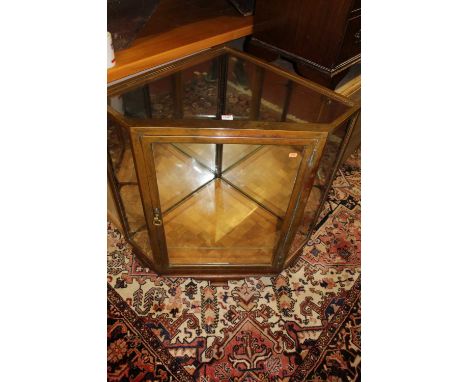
{"x": 303, "y": 325}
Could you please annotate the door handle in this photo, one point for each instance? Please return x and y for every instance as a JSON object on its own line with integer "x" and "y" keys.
{"x": 157, "y": 217}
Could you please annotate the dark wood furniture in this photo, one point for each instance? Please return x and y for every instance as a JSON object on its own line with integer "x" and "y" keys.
{"x": 352, "y": 89}
{"x": 322, "y": 37}
{"x": 218, "y": 165}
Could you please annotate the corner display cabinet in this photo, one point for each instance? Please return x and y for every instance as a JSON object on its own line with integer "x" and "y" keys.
{"x": 219, "y": 165}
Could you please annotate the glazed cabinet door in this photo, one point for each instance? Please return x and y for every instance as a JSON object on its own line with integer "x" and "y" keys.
{"x": 222, "y": 204}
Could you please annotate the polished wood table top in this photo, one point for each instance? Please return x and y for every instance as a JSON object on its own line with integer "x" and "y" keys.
{"x": 179, "y": 28}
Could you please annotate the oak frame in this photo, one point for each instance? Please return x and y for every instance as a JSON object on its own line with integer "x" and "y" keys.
{"x": 312, "y": 136}
{"x": 164, "y": 131}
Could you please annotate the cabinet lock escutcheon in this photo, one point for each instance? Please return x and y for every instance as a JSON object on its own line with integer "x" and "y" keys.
{"x": 157, "y": 217}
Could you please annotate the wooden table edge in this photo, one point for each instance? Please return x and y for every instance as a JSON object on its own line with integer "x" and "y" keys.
{"x": 145, "y": 60}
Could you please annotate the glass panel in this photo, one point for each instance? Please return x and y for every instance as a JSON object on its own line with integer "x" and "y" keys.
{"x": 219, "y": 225}
{"x": 154, "y": 100}
{"x": 141, "y": 238}
{"x": 257, "y": 93}
{"x": 240, "y": 77}
{"x": 178, "y": 174}
{"x": 118, "y": 143}
{"x": 274, "y": 95}
{"x": 252, "y": 92}
{"x": 323, "y": 176}
{"x": 189, "y": 93}
{"x": 268, "y": 176}
{"x": 123, "y": 168}
{"x": 130, "y": 195}
{"x": 234, "y": 153}
{"x": 200, "y": 90}
{"x": 307, "y": 105}
{"x": 203, "y": 153}
{"x": 233, "y": 217}
{"x": 136, "y": 103}
{"x": 162, "y": 98}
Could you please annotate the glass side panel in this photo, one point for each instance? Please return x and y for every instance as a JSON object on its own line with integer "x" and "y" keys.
{"x": 231, "y": 217}
{"x": 240, "y": 79}
{"x": 323, "y": 176}
{"x": 141, "y": 238}
{"x": 188, "y": 93}
{"x": 137, "y": 103}
{"x": 274, "y": 99}
{"x": 154, "y": 100}
{"x": 118, "y": 146}
{"x": 252, "y": 92}
{"x": 321, "y": 180}
{"x": 307, "y": 105}
{"x": 161, "y": 94}
{"x": 130, "y": 196}
{"x": 257, "y": 93}
{"x": 118, "y": 143}
{"x": 200, "y": 90}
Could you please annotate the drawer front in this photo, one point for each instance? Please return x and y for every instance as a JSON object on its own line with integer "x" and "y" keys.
{"x": 352, "y": 40}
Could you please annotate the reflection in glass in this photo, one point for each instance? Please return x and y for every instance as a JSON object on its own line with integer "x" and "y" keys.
{"x": 251, "y": 92}
{"x": 268, "y": 176}
{"x": 121, "y": 159}
{"x": 203, "y": 153}
{"x": 200, "y": 90}
{"x": 178, "y": 174}
{"x": 219, "y": 225}
{"x": 234, "y": 153}
{"x": 273, "y": 97}
{"x": 323, "y": 176}
{"x": 239, "y": 91}
{"x": 305, "y": 105}
{"x": 234, "y": 217}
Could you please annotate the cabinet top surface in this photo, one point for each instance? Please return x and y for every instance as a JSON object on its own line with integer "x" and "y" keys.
{"x": 226, "y": 85}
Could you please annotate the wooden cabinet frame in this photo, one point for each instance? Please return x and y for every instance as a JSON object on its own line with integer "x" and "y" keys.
{"x": 222, "y": 132}
{"x": 311, "y": 137}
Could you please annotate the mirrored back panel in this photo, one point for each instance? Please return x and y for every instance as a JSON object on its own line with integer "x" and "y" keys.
{"x": 228, "y": 217}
